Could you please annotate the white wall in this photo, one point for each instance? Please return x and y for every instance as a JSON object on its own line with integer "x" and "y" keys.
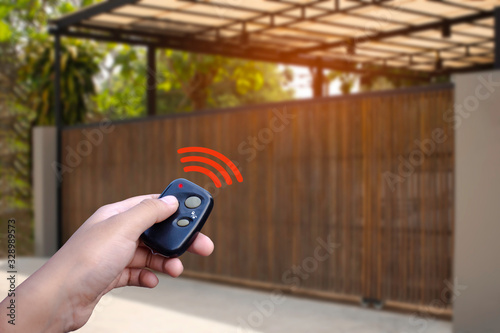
{"x": 45, "y": 190}
{"x": 477, "y": 203}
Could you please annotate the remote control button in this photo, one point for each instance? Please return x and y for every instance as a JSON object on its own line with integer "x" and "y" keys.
{"x": 192, "y": 202}
{"x": 183, "y": 223}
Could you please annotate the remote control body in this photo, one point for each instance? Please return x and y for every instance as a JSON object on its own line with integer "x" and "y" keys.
{"x": 172, "y": 237}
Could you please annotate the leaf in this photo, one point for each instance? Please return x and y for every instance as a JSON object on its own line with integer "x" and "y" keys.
{"x": 166, "y": 86}
{"x": 66, "y": 7}
{"x": 4, "y": 10}
{"x": 5, "y": 32}
{"x": 243, "y": 86}
{"x": 87, "y": 2}
{"x": 258, "y": 81}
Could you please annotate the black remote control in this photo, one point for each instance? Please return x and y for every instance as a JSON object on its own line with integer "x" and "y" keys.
{"x": 172, "y": 237}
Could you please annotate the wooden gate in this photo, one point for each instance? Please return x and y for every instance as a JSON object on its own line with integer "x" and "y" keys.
{"x": 373, "y": 173}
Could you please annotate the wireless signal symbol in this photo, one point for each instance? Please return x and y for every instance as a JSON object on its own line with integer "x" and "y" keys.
{"x": 210, "y": 162}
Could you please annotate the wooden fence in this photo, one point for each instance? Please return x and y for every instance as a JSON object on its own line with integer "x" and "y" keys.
{"x": 372, "y": 173}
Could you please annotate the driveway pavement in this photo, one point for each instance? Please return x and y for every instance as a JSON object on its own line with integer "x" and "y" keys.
{"x": 188, "y": 305}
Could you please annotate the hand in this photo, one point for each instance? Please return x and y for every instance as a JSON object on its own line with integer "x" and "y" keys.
{"x": 104, "y": 253}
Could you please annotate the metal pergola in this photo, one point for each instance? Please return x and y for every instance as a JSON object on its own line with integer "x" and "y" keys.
{"x": 416, "y": 39}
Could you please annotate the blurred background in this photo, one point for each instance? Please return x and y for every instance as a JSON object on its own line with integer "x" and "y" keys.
{"x": 366, "y": 134}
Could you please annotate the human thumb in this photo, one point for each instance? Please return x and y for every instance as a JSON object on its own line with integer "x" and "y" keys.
{"x": 140, "y": 217}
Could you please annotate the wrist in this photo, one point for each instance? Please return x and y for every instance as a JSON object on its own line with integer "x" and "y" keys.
{"x": 41, "y": 304}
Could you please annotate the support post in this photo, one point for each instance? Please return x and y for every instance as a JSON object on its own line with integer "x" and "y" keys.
{"x": 497, "y": 37}
{"x": 59, "y": 124}
{"x": 45, "y": 187}
{"x": 318, "y": 82}
{"x": 151, "y": 80}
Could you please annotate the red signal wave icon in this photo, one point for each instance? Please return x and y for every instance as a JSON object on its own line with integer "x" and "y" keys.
{"x": 211, "y": 163}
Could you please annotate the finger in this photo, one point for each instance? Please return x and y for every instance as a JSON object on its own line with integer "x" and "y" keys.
{"x": 107, "y": 211}
{"x": 145, "y": 258}
{"x": 126, "y": 204}
{"x": 202, "y": 245}
{"x": 134, "y": 221}
{"x": 138, "y": 277}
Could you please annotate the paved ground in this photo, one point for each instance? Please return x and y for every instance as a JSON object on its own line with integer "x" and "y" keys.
{"x": 186, "y": 305}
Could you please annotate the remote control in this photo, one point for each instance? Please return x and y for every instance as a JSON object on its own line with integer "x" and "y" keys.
{"x": 172, "y": 237}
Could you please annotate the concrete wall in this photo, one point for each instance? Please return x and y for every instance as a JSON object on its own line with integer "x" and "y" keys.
{"x": 45, "y": 190}
{"x": 477, "y": 203}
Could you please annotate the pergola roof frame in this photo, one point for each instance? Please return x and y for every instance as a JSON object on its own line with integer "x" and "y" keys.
{"x": 405, "y": 31}
{"x": 252, "y": 36}
{"x": 227, "y": 49}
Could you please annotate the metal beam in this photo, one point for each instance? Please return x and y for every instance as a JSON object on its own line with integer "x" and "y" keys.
{"x": 59, "y": 123}
{"x": 88, "y": 12}
{"x": 476, "y": 68}
{"x": 176, "y": 41}
{"x": 398, "y": 32}
{"x": 57, "y": 83}
{"x": 318, "y": 82}
{"x": 220, "y": 46}
{"x": 230, "y": 50}
{"x": 497, "y": 37}
{"x": 151, "y": 81}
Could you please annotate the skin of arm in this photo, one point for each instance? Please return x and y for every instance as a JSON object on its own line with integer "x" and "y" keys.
{"x": 104, "y": 253}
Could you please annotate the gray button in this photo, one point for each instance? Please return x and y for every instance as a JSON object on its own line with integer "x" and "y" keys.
{"x": 183, "y": 223}
{"x": 192, "y": 202}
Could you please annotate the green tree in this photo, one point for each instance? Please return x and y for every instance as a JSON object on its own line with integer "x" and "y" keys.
{"x": 190, "y": 81}
{"x": 395, "y": 78}
{"x": 79, "y": 64}
{"x": 24, "y": 42}
{"x": 121, "y": 82}
{"x": 185, "y": 82}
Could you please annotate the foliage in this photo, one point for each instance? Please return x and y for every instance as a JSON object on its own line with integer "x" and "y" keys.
{"x": 15, "y": 189}
{"x": 28, "y": 54}
{"x": 347, "y": 80}
{"x": 189, "y": 82}
{"x": 79, "y": 63}
{"x": 245, "y": 83}
{"x": 122, "y": 82}
{"x": 23, "y": 29}
{"x": 395, "y": 78}
{"x": 185, "y": 82}
{"x": 14, "y": 150}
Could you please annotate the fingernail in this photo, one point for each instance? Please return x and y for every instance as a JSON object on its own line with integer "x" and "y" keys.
{"x": 170, "y": 199}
